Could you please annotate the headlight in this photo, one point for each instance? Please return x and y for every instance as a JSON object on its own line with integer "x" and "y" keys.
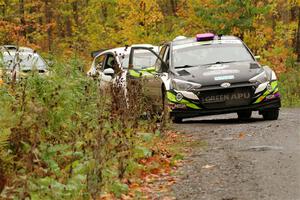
{"x": 185, "y": 85}
{"x": 260, "y": 78}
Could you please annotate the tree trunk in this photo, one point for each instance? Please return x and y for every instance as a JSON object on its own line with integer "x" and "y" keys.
{"x": 174, "y": 7}
{"x": 22, "y": 18}
{"x": 75, "y": 13}
{"x": 298, "y": 37}
{"x": 48, "y": 16}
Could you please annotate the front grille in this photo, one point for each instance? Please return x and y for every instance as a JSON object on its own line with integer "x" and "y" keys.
{"x": 225, "y": 98}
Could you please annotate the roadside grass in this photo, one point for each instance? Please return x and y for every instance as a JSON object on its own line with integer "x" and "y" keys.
{"x": 61, "y": 137}
{"x": 289, "y": 85}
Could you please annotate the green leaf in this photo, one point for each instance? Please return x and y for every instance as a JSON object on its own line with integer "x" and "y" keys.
{"x": 142, "y": 152}
{"x": 119, "y": 188}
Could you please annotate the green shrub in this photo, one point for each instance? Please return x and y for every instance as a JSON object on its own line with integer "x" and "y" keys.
{"x": 290, "y": 88}
{"x": 64, "y": 138}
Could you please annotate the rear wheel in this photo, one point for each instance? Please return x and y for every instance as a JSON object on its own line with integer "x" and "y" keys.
{"x": 244, "y": 115}
{"x": 272, "y": 114}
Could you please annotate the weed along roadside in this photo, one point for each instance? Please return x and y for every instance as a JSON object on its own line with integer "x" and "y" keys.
{"x": 63, "y": 138}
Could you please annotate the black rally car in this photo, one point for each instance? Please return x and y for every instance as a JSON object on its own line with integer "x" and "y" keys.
{"x": 211, "y": 74}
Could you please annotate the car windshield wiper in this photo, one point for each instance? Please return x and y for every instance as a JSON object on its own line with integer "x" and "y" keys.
{"x": 224, "y": 62}
{"x": 219, "y": 62}
{"x": 185, "y": 66}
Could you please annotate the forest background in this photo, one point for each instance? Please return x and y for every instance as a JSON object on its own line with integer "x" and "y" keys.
{"x": 67, "y": 27}
{"x": 269, "y": 27}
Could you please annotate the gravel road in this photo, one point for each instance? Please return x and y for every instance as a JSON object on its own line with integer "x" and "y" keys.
{"x": 242, "y": 161}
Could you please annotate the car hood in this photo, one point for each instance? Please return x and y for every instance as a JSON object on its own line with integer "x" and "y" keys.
{"x": 216, "y": 74}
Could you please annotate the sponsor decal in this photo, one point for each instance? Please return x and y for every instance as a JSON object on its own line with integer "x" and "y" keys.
{"x": 225, "y": 97}
{"x": 221, "y": 72}
{"x": 222, "y": 78}
{"x": 218, "y": 66}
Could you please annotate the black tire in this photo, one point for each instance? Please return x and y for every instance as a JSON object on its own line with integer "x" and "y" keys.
{"x": 177, "y": 120}
{"x": 272, "y": 114}
{"x": 244, "y": 115}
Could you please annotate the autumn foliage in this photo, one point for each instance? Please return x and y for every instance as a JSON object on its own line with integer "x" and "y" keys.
{"x": 270, "y": 28}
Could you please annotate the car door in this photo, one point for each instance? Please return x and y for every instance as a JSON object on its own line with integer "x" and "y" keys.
{"x": 163, "y": 67}
{"x": 150, "y": 77}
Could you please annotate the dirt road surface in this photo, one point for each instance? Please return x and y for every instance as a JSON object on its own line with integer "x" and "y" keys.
{"x": 242, "y": 160}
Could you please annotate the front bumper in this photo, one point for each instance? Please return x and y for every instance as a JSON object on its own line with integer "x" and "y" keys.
{"x": 187, "y": 113}
{"x": 263, "y": 99}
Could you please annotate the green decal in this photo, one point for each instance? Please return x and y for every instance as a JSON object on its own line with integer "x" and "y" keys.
{"x": 149, "y": 70}
{"x": 275, "y": 89}
{"x": 134, "y": 73}
{"x": 172, "y": 97}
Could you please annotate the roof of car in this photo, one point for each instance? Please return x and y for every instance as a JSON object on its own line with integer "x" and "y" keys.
{"x": 126, "y": 50}
{"x": 15, "y": 48}
{"x": 217, "y": 39}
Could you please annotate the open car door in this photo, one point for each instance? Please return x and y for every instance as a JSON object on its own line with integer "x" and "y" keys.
{"x": 143, "y": 68}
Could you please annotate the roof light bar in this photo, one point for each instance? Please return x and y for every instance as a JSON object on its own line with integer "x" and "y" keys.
{"x": 205, "y": 37}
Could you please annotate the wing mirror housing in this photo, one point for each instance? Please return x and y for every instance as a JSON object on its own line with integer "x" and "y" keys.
{"x": 109, "y": 72}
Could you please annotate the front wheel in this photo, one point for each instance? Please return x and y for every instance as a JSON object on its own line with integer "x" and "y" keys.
{"x": 244, "y": 115}
{"x": 272, "y": 114}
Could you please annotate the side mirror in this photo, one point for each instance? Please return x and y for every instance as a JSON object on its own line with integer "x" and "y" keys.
{"x": 257, "y": 58}
{"x": 109, "y": 72}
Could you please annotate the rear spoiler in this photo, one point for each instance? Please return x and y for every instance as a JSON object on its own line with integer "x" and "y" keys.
{"x": 97, "y": 52}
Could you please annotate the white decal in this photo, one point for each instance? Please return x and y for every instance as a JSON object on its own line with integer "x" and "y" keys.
{"x": 221, "y": 72}
{"x": 222, "y": 78}
{"x": 218, "y": 66}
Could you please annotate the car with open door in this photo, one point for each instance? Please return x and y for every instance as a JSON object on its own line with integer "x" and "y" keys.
{"x": 112, "y": 63}
{"x": 210, "y": 74}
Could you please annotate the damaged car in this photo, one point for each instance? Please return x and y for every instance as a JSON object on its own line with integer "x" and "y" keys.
{"x": 17, "y": 62}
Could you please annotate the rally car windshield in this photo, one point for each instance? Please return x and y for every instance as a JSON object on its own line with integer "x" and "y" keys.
{"x": 199, "y": 55}
{"x": 140, "y": 61}
{"x": 23, "y": 61}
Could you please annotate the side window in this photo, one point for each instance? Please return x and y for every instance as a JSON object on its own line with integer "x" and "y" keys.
{"x": 143, "y": 59}
{"x": 110, "y": 62}
{"x": 99, "y": 62}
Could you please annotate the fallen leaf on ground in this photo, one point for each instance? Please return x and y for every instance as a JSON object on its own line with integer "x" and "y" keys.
{"x": 241, "y": 135}
{"x": 208, "y": 166}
